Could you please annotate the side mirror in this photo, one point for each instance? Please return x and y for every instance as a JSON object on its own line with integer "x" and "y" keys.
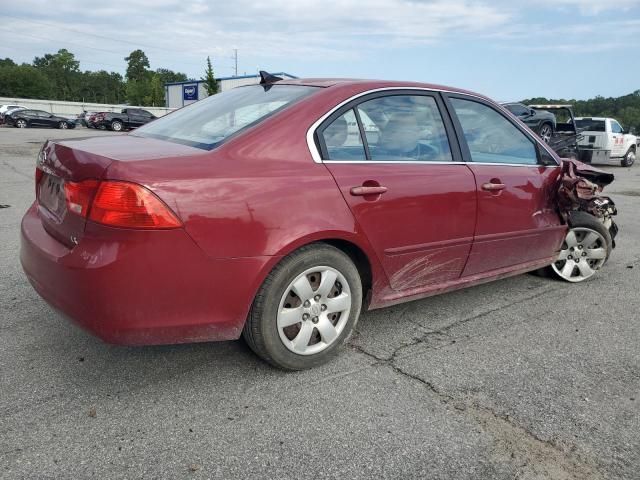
{"x": 631, "y": 131}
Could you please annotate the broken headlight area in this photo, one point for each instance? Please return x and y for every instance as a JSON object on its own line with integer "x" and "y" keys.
{"x": 580, "y": 189}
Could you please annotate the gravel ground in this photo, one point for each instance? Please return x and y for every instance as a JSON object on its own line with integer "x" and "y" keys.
{"x": 523, "y": 378}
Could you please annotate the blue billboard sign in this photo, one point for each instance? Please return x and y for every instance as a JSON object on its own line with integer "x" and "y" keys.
{"x": 190, "y": 92}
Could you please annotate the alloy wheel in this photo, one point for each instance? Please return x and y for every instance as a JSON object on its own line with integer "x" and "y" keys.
{"x": 583, "y": 252}
{"x": 21, "y": 124}
{"x": 63, "y": 125}
{"x": 545, "y": 133}
{"x": 630, "y": 158}
{"x": 314, "y": 310}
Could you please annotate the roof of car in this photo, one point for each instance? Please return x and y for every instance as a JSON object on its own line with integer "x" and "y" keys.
{"x": 368, "y": 84}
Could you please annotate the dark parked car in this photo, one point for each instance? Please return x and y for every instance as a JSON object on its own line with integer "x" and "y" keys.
{"x": 270, "y": 211}
{"x": 37, "y": 118}
{"x": 540, "y": 121}
{"x": 128, "y": 118}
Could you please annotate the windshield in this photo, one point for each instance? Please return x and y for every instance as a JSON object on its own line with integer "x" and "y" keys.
{"x": 207, "y": 123}
{"x": 590, "y": 125}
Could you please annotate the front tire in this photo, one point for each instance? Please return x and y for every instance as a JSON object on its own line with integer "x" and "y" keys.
{"x": 585, "y": 249}
{"x": 21, "y": 123}
{"x": 63, "y": 125}
{"x": 116, "y": 126}
{"x": 629, "y": 158}
{"x": 306, "y": 308}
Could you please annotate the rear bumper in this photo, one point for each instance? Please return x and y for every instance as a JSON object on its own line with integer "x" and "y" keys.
{"x": 140, "y": 287}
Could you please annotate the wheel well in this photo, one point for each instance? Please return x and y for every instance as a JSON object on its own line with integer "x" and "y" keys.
{"x": 361, "y": 261}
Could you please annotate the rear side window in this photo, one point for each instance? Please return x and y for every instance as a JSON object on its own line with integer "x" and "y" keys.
{"x": 491, "y": 137}
{"x": 207, "y": 123}
{"x": 405, "y": 128}
{"x": 590, "y": 125}
{"x": 342, "y": 138}
{"x": 517, "y": 109}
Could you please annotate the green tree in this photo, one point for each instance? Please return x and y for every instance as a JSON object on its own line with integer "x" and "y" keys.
{"x": 63, "y": 71}
{"x": 210, "y": 82}
{"x": 156, "y": 97}
{"x": 137, "y": 65}
{"x": 24, "y": 81}
{"x": 168, "y": 76}
{"x": 7, "y": 62}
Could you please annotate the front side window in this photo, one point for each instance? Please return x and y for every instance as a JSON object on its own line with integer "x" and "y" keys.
{"x": 615, "y": 127}
{"x": 491, "y": 137}
{"x": 207, "y": 123}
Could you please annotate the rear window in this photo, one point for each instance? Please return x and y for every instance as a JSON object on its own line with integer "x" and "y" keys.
{"x": 590, "y": 125}
{"x": 207, "y": 123}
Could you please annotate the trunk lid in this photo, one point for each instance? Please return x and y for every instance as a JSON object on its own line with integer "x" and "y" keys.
{"x": 64, "y": 163}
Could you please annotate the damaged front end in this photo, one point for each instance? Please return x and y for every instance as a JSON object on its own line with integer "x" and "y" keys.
{"x": 580, "y": 188}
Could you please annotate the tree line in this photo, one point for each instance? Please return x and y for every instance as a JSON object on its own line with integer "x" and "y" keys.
{"x": 625, "y": 109}
{"x": 57, "y": 76}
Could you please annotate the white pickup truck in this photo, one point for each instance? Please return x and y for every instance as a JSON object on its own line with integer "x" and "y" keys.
{"x": 603, "y": 139}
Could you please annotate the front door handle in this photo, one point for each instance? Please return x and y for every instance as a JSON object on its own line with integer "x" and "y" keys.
{"x": 493, "y": 187}
{"x": 363, "y": 190}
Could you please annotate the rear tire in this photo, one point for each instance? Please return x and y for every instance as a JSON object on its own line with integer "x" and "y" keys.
{"x": 306, "y": 308}
{"x": 585, "y": 250}
{"x": 21, "y": 123}
{"x": 546, "y": 132}
{"x": 629, "y": 157}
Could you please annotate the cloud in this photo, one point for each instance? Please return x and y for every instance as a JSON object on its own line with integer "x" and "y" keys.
{"x": 278, "y": 28}
{"x": 591, "y": 7}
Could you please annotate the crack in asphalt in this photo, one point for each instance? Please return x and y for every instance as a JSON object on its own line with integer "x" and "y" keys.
{"x": 530, "y": 454}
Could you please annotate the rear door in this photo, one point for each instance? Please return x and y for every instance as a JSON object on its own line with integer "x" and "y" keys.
{"x": 516, "y": 182}
{"x": 391, "y": 156}
{"x": 135, "y": 117}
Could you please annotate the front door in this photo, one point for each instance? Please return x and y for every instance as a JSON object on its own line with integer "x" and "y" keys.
{"x": 392, "y": 160}
{"x": 516, "y": 184}
{"x": 617, "y": 148}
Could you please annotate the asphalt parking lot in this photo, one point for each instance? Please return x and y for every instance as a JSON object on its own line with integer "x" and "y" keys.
{"x": 523, "y": 378}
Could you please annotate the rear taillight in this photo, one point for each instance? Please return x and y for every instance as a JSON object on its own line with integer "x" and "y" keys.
{"x": 117, "y": 204}
{"x": 124, "y": 204}
{"x": 79, "y": 196}
{"x": 39, "y": 174}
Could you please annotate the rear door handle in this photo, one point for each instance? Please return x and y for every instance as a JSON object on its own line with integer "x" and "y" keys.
{"x": 359, "y": 191}
{"x": 493, "y": 187}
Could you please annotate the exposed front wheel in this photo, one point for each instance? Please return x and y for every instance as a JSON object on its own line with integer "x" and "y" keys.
{"x": 306, "y": 308}
{"x": 20, "y": 123}
{"x": 629, "y": 158}
{"x": 63, "y": 125}
{"x": 116, "y": 126}
{"x": 585, "y": 249}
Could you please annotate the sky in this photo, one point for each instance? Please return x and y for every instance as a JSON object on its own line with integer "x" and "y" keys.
{"x": 506, "y": 49}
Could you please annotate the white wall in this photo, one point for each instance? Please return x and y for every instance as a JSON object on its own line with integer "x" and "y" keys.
{"x": 74, "y": 108}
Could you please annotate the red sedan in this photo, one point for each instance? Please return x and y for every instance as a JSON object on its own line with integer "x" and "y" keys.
{"x": 280, "y": 211}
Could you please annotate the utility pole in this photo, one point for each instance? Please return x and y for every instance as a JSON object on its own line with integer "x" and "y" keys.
{"x": 235, "y": 56}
